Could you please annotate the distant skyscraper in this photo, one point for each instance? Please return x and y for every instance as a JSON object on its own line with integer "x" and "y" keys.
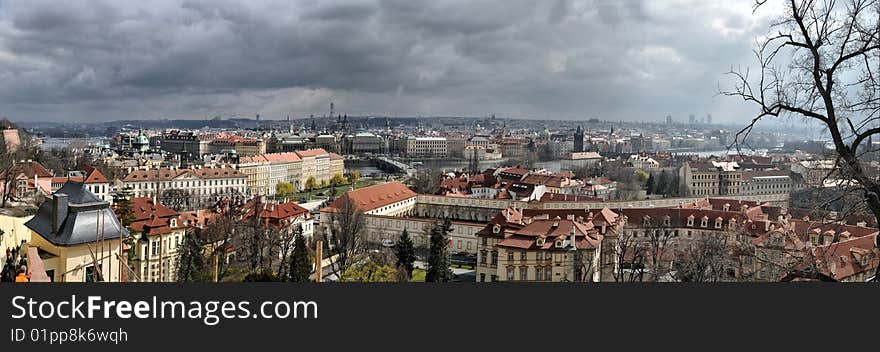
{"x": 668, "y": 119}
{"x": 692, "y": 119}
{"x": 709, "y": 119}
{"x": 579, "y": 140}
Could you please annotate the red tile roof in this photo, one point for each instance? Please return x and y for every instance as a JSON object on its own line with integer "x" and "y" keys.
{"x": 843, "y": 259}
{"x": 93, "y": 175}
{"x": 373, "y": 197}
{"x": 28, "y": 169}
{"x": 276, "y": 213}
{"x": 150, "y": 216}
{"x": 311, "y": 152}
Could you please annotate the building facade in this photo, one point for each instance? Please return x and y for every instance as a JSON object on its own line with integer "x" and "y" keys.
{"x": 203, "y": 184}
{"x": 426, "y": 147}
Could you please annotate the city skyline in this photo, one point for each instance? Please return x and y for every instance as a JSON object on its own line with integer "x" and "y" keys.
{"x": 569, "y": 60}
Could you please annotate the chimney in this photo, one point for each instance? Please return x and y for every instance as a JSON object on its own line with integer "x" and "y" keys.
{"x": 59, "y": 211}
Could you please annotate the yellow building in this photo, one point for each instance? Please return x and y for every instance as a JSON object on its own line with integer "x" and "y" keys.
{"x": 77, "y": 236}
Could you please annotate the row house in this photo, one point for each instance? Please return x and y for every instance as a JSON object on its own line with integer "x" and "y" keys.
{"x": 524, "y": 245}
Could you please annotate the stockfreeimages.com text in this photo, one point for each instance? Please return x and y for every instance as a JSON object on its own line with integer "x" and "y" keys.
{"x": 209, "y": 312}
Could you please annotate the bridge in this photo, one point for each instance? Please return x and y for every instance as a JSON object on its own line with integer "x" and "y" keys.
{"x": 393, "y": 166}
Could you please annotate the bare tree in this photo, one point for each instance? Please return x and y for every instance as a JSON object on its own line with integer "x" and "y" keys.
{"x": 821, "y": 66}
{"x": 219, "y": 234}
{"x": 285, "y": 245}
{"x": 425, "y": 181}
{"x": 833, "y": 49}
{"x": 629, "y": 258}
{"x": 657, "y": 251}
{"x": 347, "y": 222}
{"x": 177, "y": 199}
{"x": 702, "y": 260}
{"x": 583, "y": 265}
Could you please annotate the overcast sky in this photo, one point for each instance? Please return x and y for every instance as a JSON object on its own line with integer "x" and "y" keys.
{"x": 635, "y": 60}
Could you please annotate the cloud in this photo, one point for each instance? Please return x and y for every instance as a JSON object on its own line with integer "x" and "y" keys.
{"x": 625, "y": 59}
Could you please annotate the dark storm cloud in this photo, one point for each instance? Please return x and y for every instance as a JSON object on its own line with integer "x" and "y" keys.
{"x": 626, "y": 59}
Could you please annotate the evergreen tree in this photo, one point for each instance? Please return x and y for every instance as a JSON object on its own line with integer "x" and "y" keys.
{"x": 474, "y": 163}
{"x": 191, "y": 261}
{"x": 122, "y": 207}
{"x": 662, "y": 183}
{"x": 649, "y": 185}
{"x": 438, "y": 254}
{"x": 300, "y": 265}
{"x": 405, "y": 251}
{"x": 673, "y": 189}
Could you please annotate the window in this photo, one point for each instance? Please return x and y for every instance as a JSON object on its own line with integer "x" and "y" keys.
{"x": 509, "y": 256}
{"x": 523, "y": 273}
{"x": 547, "y": 255}
{"x": 522, "y": 256}
{"x": 494, "y": 258}
{"x": 539, "y": 273}
{"x": 510, "y": 274}
{"x": 90, "y": 274}
{"x": 482, "y": 277}
{"x": 485, "y": 241}
{"x": 548, "y": 274}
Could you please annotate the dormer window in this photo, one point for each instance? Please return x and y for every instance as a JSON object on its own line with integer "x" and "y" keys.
{"x": 666, "y": 220}
{"x": 539, "y": 242}
{"x": 496, "y": 228}
{"x": 704, "y": 222}
{"x": 560, "y": 244}
{"x": 718, "y": 223}
{"x": 690, "y": 221}
{"x": 726, "y": 207}
{"x": 173, "y": 222}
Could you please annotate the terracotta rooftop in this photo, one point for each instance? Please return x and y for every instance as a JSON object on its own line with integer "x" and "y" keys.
{"x": 29, "y": 169}
{"x": 373, "y": 197}
{"x": 93, "y": 175}
{"x": 311, "y": 153}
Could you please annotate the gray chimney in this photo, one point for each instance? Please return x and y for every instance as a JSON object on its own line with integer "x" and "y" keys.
{"x": 59, "y": 210}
